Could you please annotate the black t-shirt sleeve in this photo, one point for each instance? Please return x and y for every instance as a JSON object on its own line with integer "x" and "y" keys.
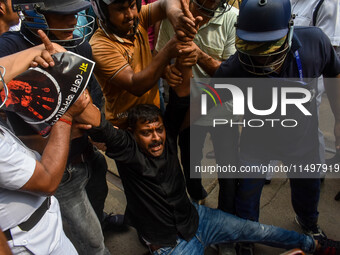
{"x": 120, "y": 143}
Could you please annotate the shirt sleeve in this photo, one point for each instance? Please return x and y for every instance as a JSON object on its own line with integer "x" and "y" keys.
{"x": 109, "y": 59}
{"x": 16, "y": 167}
{"x": 145, "y": 17}
{"x": 119, "y": 143}
{"x": 229, "y": 46}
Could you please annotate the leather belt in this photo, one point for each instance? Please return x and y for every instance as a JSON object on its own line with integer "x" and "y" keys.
{"x": 32, "y": 220}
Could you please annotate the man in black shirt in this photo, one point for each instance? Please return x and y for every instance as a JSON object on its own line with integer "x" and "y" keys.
{"x": 157, "y": 203}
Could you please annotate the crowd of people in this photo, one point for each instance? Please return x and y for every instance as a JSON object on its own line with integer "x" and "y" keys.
{"x": 53, "y": 190}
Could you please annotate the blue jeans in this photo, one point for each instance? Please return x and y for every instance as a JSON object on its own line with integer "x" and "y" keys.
{"x": 79, "y": 219}
{"x": 305, "y": 195}
{"x": 216, "y": 226}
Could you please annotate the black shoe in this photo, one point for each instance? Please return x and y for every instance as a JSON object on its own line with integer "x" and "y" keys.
{"x": 315, "y": 231}
{"x": 245, "y": 249}
{"x": 327, "y": 247}
{"x": 113, "y": 222}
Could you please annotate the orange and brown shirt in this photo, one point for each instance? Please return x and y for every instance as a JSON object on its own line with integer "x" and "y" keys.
{"x": 112, "y": 54}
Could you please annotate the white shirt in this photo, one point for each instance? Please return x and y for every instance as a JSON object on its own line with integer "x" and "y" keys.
{"x": 328, "y": 17}
{"x": 17, "y": 165}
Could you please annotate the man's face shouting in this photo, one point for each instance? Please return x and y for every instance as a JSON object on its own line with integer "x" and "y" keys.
{"x": 150, "y": 137}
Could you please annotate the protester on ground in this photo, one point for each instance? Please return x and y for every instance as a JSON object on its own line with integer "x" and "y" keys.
{"x": 157, "y": 203}
{"x": 214, "y": 42}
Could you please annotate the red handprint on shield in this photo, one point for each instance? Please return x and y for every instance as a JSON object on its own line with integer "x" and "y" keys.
{"x": 38, "y": 102}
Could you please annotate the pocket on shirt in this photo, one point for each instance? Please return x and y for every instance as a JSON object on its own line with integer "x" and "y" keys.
{"x": 44, "y": 237}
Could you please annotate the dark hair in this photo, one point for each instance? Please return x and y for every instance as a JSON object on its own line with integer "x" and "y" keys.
{"x": 104, "y": 7}
{"x": 144, "y": 113}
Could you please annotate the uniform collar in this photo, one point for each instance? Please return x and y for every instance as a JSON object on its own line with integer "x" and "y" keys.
{"x": 113, "y": 36}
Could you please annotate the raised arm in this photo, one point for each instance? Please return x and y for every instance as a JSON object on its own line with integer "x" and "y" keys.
{"x": 183, "y": 89}
{"x": 183, "y": 24}
{"x": 139, "y": 83}
{"x": 48, "y": 172}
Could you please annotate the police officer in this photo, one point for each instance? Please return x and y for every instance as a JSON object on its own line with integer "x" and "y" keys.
{"x": 268, "y": 45}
